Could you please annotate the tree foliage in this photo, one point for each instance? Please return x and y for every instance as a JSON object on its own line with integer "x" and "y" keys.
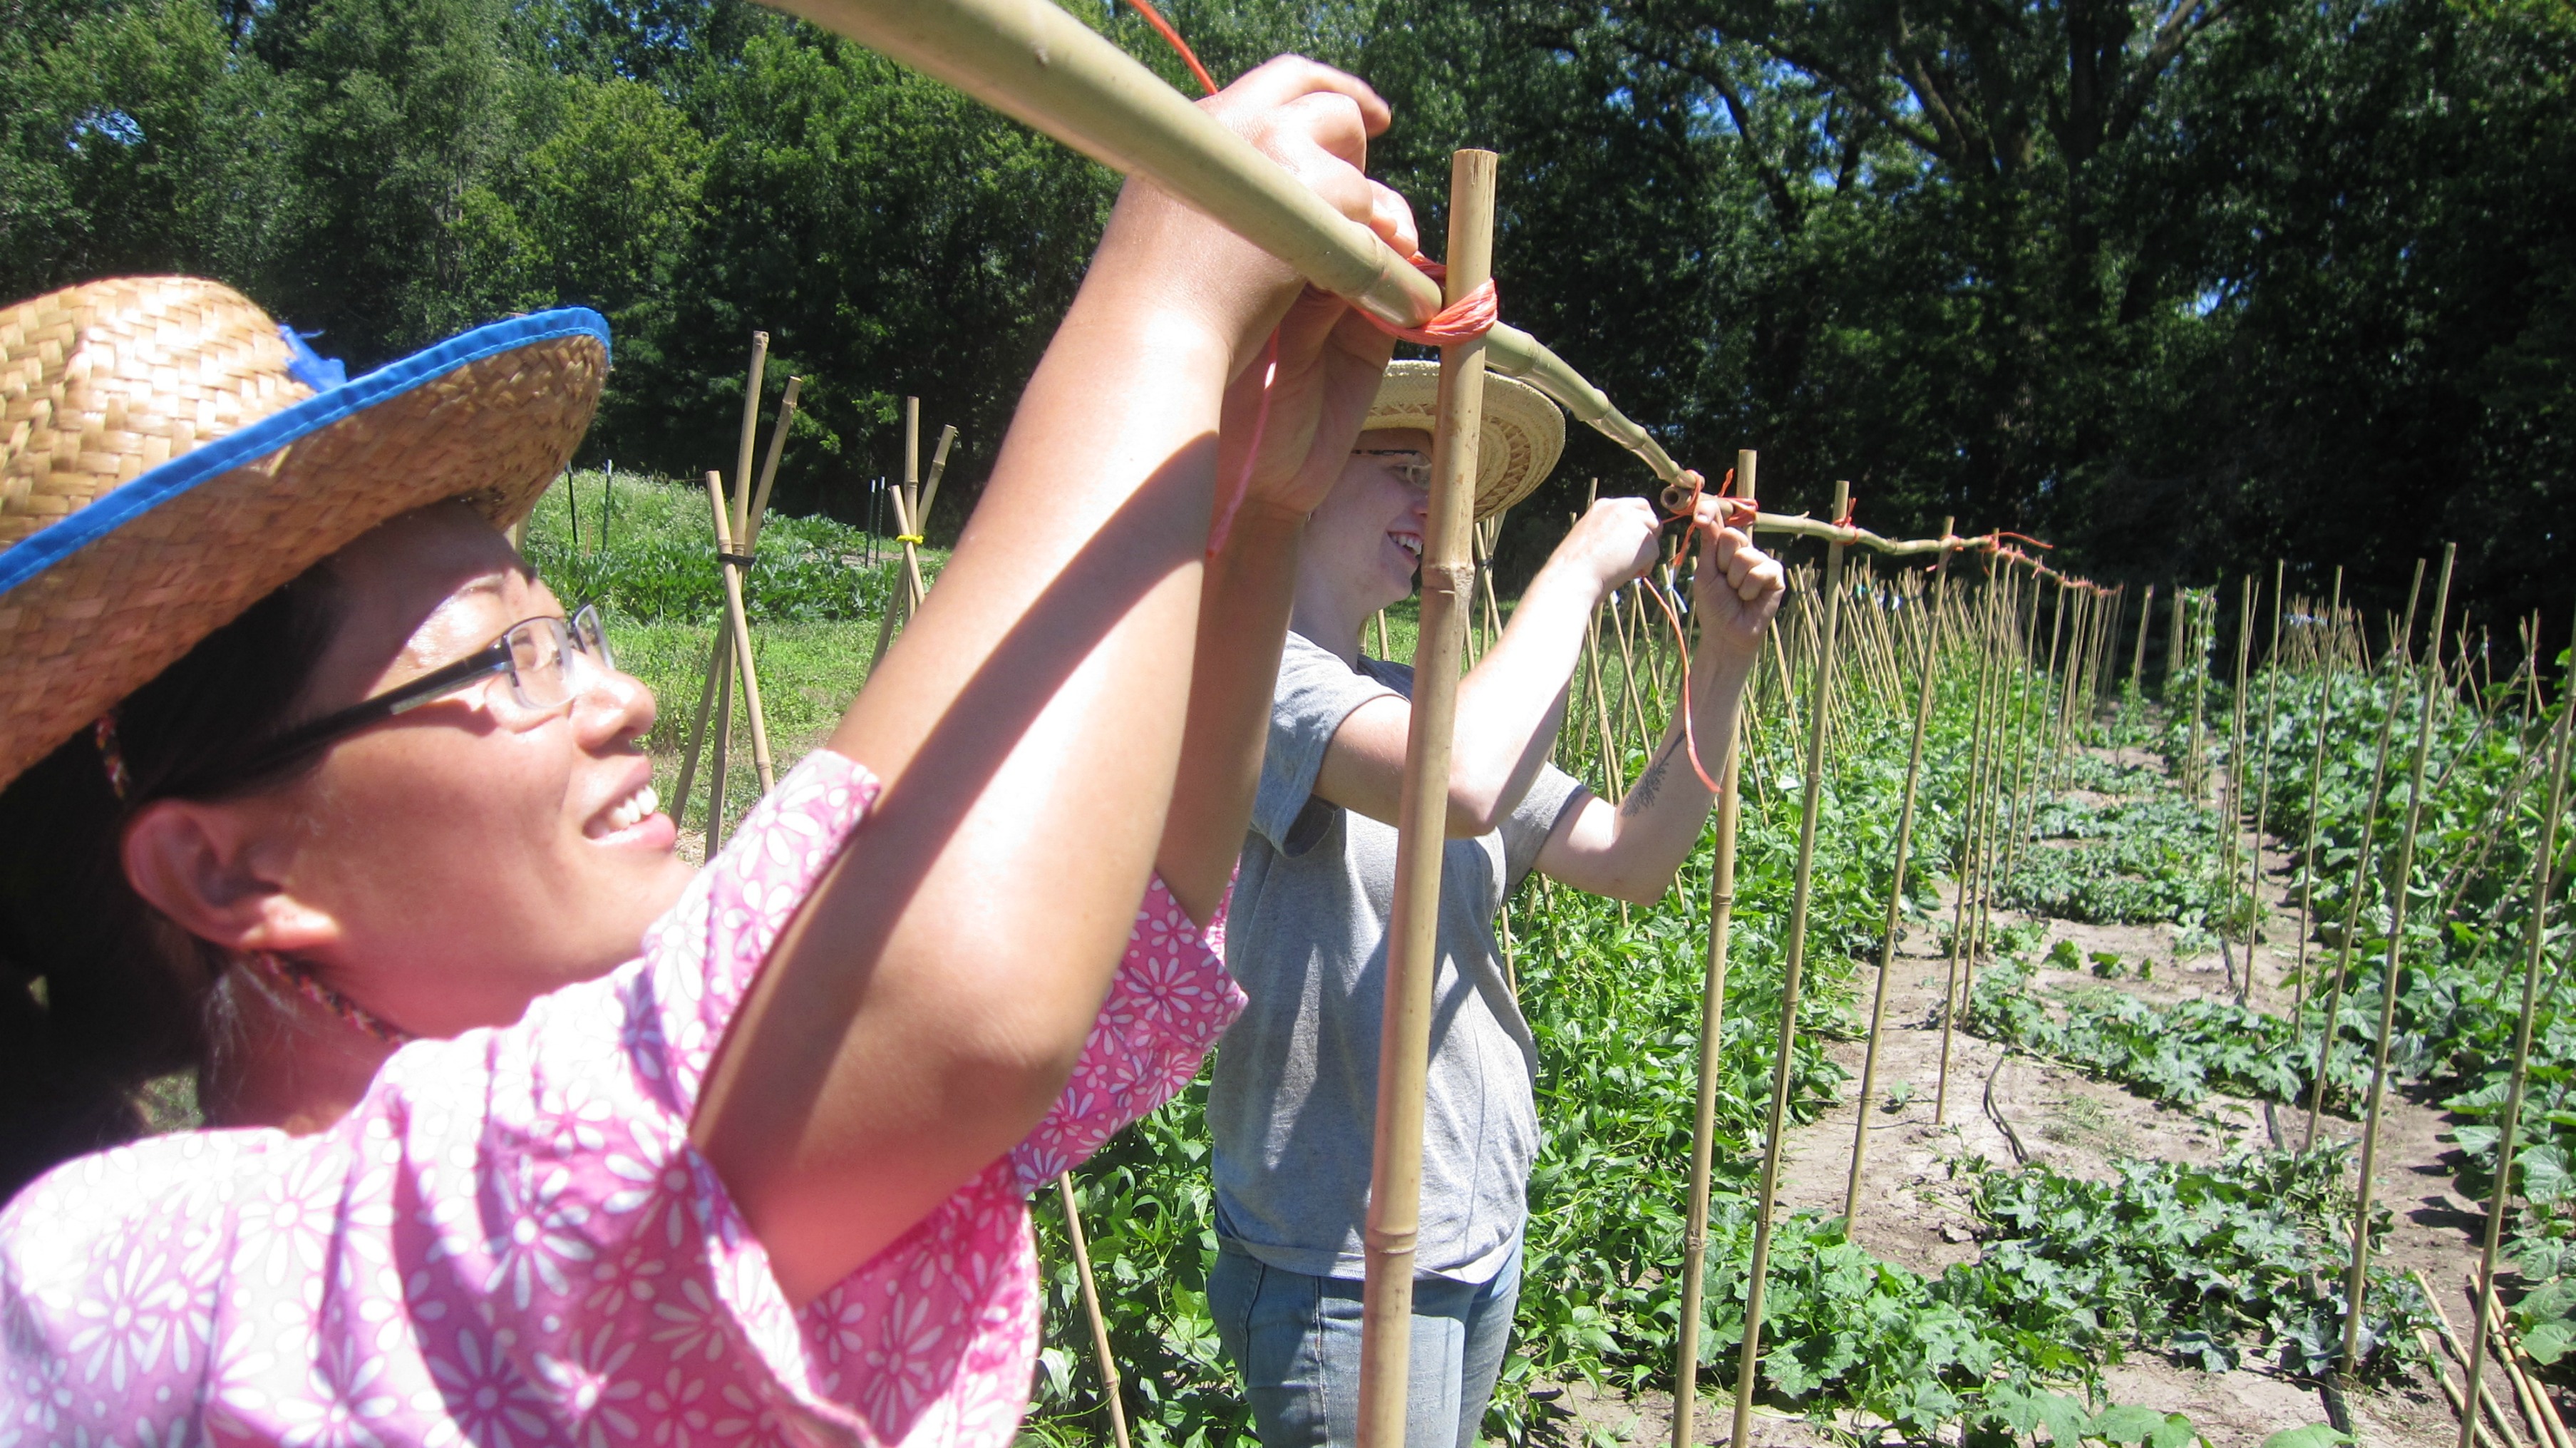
{"x": 2185, "y": 285}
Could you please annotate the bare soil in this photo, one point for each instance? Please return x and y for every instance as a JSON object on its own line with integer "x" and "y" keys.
{"x": 2008, "y": 1106}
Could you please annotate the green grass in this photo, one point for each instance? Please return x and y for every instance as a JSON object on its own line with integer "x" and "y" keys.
{"x": 812, "y": 599}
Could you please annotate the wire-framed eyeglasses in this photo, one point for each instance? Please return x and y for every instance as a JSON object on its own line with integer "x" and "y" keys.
{"x": 1408, "y": 464}
{"x": 545, "y": 662}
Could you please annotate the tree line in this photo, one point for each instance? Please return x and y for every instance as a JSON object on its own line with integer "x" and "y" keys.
{"x": 2183, "y": 285}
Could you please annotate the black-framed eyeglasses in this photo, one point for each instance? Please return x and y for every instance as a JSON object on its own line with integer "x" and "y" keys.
{"x": 539, "y": 657}
{"x": 1415, "y": 472}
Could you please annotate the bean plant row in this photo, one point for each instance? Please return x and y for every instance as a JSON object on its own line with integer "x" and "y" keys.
{"x": 2214, "y": 1266}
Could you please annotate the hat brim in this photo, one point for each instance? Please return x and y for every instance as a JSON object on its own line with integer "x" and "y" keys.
{"x": 94, "y": 606}
{"x": 1522, "y": 436}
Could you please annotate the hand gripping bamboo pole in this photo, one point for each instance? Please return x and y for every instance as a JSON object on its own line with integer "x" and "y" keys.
{"x": 1091, "y": 1306}
{"x": 741, "y": 632}
{"x": 1712, "y": 1054}
{"x": 2536, "y": 942}
{"x": 1413, "y": 929}
{"x": 1748, "y": 1361}
{"x": 2400, "y": 881}
{"x": 2361, "y": 877}
{"x": 1895, "y": 927}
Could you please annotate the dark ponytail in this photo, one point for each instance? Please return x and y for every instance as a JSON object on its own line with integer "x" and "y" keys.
{"x": 100, "y": 994}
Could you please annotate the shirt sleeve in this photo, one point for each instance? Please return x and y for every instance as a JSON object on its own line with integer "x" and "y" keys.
{"x": 1526, "y": 829}
{"x": 1316, "y": 693}
{"x": 1168, "y": 1002}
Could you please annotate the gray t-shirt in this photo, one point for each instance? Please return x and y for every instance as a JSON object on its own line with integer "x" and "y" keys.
{"x": 1293, "y": 1105}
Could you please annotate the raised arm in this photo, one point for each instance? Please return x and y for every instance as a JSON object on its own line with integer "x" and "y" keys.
{"x": 1329, "y": 364}
{"x": 1511, "y": 704}
{"x": 921, "y": 1012}
{"x": 1630, "y": 851}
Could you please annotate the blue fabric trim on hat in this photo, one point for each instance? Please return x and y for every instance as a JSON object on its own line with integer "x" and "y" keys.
{"x": 308, "y": 366}
{"x": 40, "y": 550}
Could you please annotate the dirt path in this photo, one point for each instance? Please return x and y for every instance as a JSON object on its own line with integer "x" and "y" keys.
{"x": 1913, "y": 1211}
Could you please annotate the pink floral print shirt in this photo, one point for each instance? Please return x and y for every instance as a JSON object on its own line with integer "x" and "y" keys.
{"x": 511, "y": 1242}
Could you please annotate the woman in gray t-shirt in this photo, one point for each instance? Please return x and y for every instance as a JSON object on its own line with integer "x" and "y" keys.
{"x": 1294, "y": 1100}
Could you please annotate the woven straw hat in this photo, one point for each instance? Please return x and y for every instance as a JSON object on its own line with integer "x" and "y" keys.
{"x": 1522, "y": 437}
{"x": 171, "y": 455}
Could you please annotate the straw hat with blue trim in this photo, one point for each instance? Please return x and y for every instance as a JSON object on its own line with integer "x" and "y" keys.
{"x": 169, "y": 455}
{"x": 1522, "y": 437}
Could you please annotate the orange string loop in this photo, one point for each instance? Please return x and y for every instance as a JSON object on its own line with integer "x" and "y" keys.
{"x": 1463, "y": 320}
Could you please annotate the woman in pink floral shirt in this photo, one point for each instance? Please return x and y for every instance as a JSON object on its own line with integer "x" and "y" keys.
{"x": 311, "y": 786}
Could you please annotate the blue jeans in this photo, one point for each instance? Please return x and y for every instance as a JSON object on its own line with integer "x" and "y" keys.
{"x": 1296, "y": 1341}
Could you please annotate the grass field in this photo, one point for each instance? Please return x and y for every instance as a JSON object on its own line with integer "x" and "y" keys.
{"x": 814, "y": 600}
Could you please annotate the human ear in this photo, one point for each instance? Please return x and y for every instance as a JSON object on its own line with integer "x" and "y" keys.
{"x": 210, "y": 869}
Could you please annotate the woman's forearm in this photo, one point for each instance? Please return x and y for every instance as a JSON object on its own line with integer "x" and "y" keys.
{"x": 919, "y": 1015}
{"x": 1512, "y": 703}
{"x": 1243, "y": 625}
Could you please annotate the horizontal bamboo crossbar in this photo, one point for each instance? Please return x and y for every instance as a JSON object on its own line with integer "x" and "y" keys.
{"x": 1033, "y": 62}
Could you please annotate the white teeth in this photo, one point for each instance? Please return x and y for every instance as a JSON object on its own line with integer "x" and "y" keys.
{"x": 630, "y": 811}
{"x": 1409, "y": 545}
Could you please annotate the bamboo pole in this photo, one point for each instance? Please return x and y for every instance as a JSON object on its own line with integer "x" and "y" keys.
{"x": 2535, "y": 954}
{"x": 1802, "y": 882}
{"x": 2485, "y": 1397}
{"x": 2527, "y": 1394}
{"x": 2361, "y": 877}
{"x": 1041, "y": 66}
{"x": 1980, "y": 767}
{"x": 2235, "y": 785}
{"x": 2391, "y": 975}
{"x": 750, "y": 534}
{"x": 715, "y": 697}
{"x": 2308, "y": 850}
{"x": 938, "y": 470}
{"x": 732, "y": 568}
{"x": 2263, "y": 787}
{"x": 1895, "y": 927}
{"x": 1712, "y": 1052}
{"x": 2138, "y": 660}
{"x": 1091, "y": 1306}
{"x": 1413, "y": 932}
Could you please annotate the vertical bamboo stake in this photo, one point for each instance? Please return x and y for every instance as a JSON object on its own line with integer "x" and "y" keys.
{"x": 1091, "y": 1305}
{"x": 2263, "y": 786}
{"x": 2234, "y": 795}
{"x": 1972, "y": 820}
{"x": 1712, "y": 1052}
{"x": 732, "y": 567}
{"x": 2390, "y": 976}
{"x": 1801, "y": 885}
{"x": 1895, "y": 927}
{"x": 2360, "y": 877}
{"x": 2327, "y": 665}
{"x": 2174, "y": 625}
{"x": 715, "y": 697}
{"x": 750, "y": 535}
{"x": 1413, "y": 929}
{"x": 1384, "y": 648}
{"x": 2138, "y": 662}
{"x": 2543, "y": 868}
{"x": 938, "y": 470}
{"x": 2195, "y": 767}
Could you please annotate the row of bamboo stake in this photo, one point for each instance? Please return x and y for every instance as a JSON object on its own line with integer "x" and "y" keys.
{"x": 1903, "y": 619}
{"x": 1044, "y": 68}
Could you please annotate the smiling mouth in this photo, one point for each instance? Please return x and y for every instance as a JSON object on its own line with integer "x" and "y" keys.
{"x": 1409, "y": 544}
{"x": 625, "y": 814}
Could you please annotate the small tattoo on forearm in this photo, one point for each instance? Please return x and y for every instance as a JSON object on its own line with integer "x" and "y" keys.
{"x": 1641, "y": 795}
